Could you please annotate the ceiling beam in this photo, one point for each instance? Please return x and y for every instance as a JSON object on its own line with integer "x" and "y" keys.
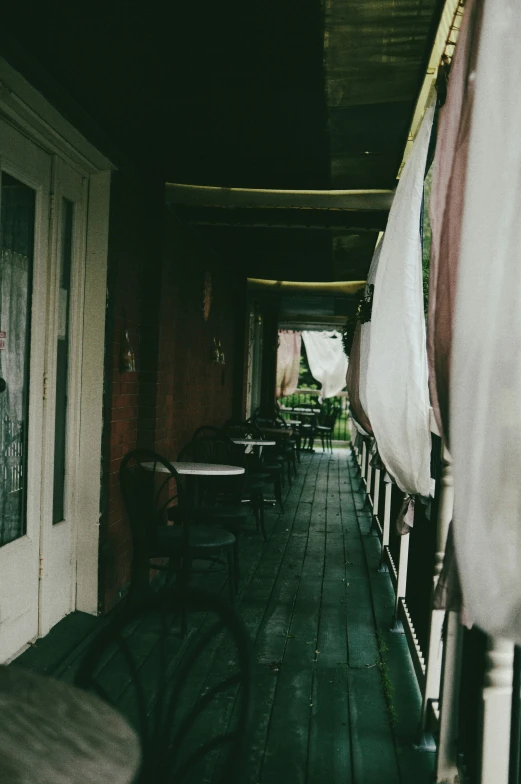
{"x": 305, "y": 287}
{"x": 444, "y": 44}
{"x": 210, "y": 196}
{"x": 335, "y": 219}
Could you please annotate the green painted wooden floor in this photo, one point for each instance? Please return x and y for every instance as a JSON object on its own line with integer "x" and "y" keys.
{"x": 319, "y": 613}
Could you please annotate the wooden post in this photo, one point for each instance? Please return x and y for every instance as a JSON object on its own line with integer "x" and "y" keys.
{"x": 447, "y": 753}
{"x": 435, "y": 647}
{"x": 497, "y": 709}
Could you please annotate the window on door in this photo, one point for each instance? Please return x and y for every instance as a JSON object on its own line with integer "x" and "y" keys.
{"x": 17, "y": 214}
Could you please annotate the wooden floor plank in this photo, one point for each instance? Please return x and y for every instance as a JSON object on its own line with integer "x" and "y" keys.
{"x": 329, "y": 758}
{"x": 312, "y": 600}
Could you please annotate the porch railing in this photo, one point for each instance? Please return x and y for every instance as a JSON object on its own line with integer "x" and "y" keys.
{"x": 310, "y": 397}
{"x": 470, "y": 687}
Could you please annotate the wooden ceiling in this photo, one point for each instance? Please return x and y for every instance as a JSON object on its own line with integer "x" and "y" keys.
{"x": 279, "y": 94}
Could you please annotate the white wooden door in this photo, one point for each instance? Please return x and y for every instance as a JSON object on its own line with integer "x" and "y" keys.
{"x": 61, "y": 421}
{"x": 25, "y": 187}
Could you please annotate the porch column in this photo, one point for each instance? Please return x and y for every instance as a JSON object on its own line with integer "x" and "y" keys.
{"x": 497, "y": 709}
{"x": 447, "y": 753}
{"x": 435, "y": 647}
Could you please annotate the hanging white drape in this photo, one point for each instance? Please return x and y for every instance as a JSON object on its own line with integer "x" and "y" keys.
{"x": 288, "y": 362}
{"x": 365, "y": 331}
{"x": 397, "y": 384}
{"x": 485, "y": 380}
{"x": 327, "y": 361}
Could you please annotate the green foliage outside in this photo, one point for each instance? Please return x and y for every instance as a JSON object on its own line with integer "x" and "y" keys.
{"x": 426, "y": 250}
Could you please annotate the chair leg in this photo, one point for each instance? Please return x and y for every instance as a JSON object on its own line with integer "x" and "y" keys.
{"x": 231, "y": 576}
{"x": 236, "y": 565}
{"x": 263, "y": 527}
{"x": 277, "y": 487}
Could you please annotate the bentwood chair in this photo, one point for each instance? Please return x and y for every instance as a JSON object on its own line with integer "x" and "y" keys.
{"x": 223, "y": 498}
{"x": 152, "y": 490}
{"x": 326, "y": 427}
{"x": 141, "y": 665}
{"x": 286, "y": 448}
{"x": 263, "y": 467}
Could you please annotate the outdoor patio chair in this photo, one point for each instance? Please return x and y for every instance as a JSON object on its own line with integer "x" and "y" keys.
{"x": 140, "y": 664}
{"x": 152, "y": 489}
{"x": 222, "y": 499}
{"x": 265, "y": 467}
{"x": 267, "y": 417}
{"x": 326, "y": 427}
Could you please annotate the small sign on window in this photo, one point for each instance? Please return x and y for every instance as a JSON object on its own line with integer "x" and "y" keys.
{"x": 2, "y": 341}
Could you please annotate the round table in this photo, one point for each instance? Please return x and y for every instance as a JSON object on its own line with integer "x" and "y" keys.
{"x": 277, "y": 431}
{"x": 253, "y": 442}
{"x": 54, "y": 733}
{"x": 198, "y": 469}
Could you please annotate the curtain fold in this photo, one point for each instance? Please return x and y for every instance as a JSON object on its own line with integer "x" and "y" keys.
{"x": 327, "y": 361}
{"x": 446, "y": 214}
{"x": 397, "y": 379}
{"x": 485, "y": 373}
{"x": 288, "y": 362}
{"x": 353, "y": 384}
{"x": 365, "y": 330}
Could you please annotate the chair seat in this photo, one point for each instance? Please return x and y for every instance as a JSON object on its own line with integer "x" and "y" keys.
{"x": 323, "y": 427}
{"x": 202, "y": 537}
{"x": 218, "y": 512}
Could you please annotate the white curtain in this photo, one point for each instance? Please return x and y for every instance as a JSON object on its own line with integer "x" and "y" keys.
{"x": 288, "y": 362}
{"x": 397, "y": 384}
{"x": 365, "y": 331}
{"x": 327, "y": 361}
{"x": 485, "y": 379}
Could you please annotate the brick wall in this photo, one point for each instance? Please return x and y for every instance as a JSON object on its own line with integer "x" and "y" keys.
{"x": 156, "y": 273}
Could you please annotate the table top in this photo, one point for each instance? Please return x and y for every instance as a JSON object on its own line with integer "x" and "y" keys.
{"x": 253, "y": 442}
{"x": 200, "y": 469}
{"x": 277, "y": 431}
{"x": 54, "y": 733}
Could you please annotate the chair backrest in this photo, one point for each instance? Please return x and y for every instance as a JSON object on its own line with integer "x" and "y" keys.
{"x": 150, "y": 485}
{"x": 142, "y": 665}
{"x": 214, "y": 446}
{"x": 246, "y": 429}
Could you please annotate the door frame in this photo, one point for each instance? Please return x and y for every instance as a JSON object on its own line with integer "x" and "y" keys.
{"x": 29, "y": 112}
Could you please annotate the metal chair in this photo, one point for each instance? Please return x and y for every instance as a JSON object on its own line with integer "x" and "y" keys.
{"x": 154, "y": 495}
{"x": 326, "y": 427}
{"x": 266, "y": 468}
{"x": 223, "y": 498}
{"x": 141, "y": 665}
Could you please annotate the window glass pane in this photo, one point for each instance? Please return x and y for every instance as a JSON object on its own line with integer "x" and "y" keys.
{"x": 17, "y": 213}
{"x": 67, "y": 215}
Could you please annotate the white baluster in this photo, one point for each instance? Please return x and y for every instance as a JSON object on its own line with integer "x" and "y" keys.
{"x": 364, "y": 459}
{"x": 376, "y": 492}
{"x": 447, "y": 753}
{"x": 369, "y": 475}
{"x": 435, "y": 648}
{"x": 401, "y": 584}
{"x": 386, "y": 526}
{"x": 497, "y": 709}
